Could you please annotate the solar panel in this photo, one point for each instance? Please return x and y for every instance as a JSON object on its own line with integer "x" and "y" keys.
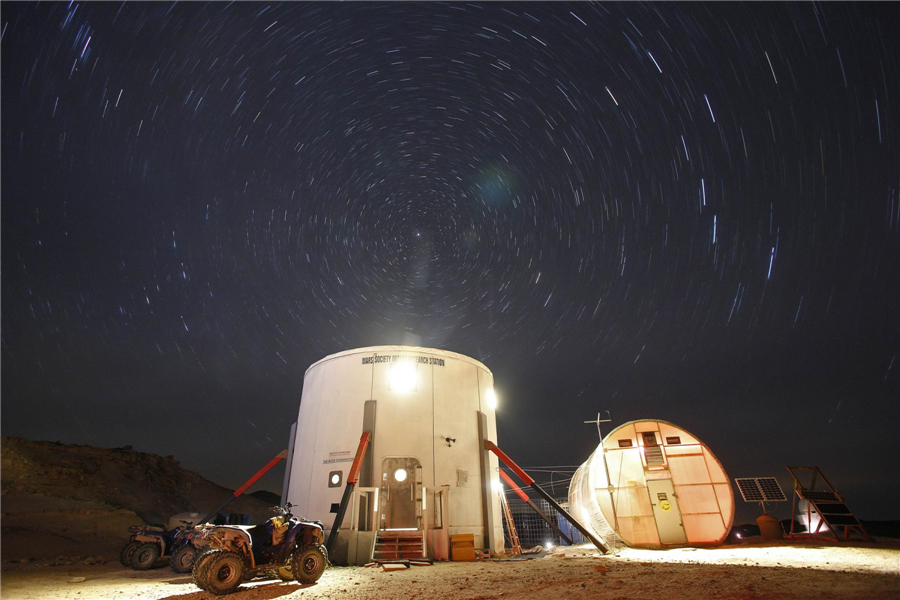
{"x": 771, "y": 490}
{"x": 760, "y": 489}
{"x": 749, "y": 490}
{"x": 822, "y": 496}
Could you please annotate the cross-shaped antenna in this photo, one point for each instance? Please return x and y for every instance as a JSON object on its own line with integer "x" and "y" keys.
{"x": 598, "y": 420}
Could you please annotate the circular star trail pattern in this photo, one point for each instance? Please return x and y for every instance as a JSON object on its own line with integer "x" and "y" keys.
{"x": 681, "y": 211}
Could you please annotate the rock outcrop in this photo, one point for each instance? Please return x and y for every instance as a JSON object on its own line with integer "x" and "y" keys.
{"x": 70, "y": 500}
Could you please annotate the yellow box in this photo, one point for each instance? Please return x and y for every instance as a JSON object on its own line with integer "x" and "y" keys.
{"x": 462, "y": 547}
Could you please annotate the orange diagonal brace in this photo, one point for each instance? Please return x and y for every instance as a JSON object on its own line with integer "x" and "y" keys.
{"x": 513, "y": 485}
{"x": 488, "y": 445}
{"x": 357, "y": 461}
{"x": 281, "y": 456}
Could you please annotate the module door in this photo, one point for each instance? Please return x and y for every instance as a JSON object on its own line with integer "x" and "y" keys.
{"x": 666, "y": 511}
{"x": 401, "y": 490}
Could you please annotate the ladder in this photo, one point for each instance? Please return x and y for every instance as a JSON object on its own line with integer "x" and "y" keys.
{"x": 825, "y": 502}
{"x": 510, "y": 525}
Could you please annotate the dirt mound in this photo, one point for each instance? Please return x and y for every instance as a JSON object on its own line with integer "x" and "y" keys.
{"x": 68, "y": 500}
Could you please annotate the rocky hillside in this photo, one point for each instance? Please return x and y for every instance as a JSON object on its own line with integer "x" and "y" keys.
{"x": 70, "y": 500}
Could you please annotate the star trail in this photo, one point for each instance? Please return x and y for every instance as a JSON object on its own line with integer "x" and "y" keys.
{"x": 680, "y": 211}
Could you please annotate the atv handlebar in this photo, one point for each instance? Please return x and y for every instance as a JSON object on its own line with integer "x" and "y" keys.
{"x": 284, "y": 511}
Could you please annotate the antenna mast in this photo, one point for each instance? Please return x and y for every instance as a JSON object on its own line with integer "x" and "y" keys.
{"x": 598, "y": 420}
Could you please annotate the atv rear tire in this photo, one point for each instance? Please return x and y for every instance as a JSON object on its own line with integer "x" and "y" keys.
{"x": 309, "y": 563}
{"x": 145, "y": 556}
{"x": 220, "y": 572}
{"x": 127, "y": 551}
{"x": 182, "y": 559}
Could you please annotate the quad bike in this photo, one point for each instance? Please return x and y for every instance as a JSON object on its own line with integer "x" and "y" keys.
{"x": 148, "y": 543}
{"x": 289, "y": 546}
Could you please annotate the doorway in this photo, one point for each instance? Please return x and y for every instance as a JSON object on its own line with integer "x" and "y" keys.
{"x": 666, "y": 511}
{"x": 401, "y": 493}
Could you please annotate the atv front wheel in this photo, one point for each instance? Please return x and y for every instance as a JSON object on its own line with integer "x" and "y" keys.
{"x": 127, "y": 551}
{"x": 309, "y": 564}
{"x": 220, "y": 572}
{"x": 183, "y": 559}
{"x": 144, "y": 556}
{"x": 200, "y": 559}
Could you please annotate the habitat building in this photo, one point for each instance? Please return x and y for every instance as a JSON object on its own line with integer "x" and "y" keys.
{"x": 651, "y": 484}
{"x": 425, "y": 476}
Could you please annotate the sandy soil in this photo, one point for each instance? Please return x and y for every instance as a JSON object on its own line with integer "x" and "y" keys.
{"x": 793, "y": 570}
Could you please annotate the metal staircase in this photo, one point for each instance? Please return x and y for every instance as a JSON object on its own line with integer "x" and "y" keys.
{"x": 825, "y": 502}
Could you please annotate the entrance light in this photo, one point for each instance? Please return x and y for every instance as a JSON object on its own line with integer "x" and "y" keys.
{"x": 403, "y": 377}
{"x": 491, "y": 397}
{"x": 400, "y": 475}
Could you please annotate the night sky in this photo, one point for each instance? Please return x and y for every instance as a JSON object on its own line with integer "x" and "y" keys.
{"x": 680, "y": 211}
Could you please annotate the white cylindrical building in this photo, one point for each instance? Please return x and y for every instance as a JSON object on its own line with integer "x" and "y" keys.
{"x": 651, "y": 484}
{"x": 426, "y": 474}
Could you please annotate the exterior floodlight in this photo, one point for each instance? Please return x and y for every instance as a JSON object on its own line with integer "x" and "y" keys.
{"x": 403, "y": 378}
{"x": 498, "y": 487}
{"x": 400, "y": 475}
{"x": 491, "y": 399}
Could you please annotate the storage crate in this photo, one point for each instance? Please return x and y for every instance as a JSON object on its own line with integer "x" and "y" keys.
{"x": 462, "y": 547}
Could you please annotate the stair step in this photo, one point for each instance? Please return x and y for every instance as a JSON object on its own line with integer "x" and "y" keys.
{"x": 396, "y": 545}
{"x": 399, "y": 545}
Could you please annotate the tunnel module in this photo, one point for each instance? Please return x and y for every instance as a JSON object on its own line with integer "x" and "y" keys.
{"x": 651, "y": 484}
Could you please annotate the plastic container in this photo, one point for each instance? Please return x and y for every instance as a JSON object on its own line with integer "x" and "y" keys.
{"x": 769, "y": 528}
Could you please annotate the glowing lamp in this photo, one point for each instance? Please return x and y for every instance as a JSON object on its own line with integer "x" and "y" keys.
{"x": 491, "y": 397}
{"x": 403, "y": 377}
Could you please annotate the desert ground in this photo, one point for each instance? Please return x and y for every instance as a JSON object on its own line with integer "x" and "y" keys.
{"x": 66, "y": 511}
{"x": 792, "y": 569}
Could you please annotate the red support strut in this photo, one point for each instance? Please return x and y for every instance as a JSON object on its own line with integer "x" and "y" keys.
{"x": 281, "y": 456}
{"x": 352, "y": 478}
{"x": 513, "y": 485}
{"x": 488, "y": 445}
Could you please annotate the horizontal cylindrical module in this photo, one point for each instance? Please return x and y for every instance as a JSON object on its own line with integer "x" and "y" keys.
{"x": 651, "y": 484}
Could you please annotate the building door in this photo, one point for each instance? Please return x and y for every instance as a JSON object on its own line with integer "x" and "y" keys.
{"x": 666, "y": 511}
{"x": 401, "y": 493}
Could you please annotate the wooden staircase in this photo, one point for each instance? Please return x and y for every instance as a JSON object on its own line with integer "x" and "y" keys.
{"x": 399, "y": 545}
